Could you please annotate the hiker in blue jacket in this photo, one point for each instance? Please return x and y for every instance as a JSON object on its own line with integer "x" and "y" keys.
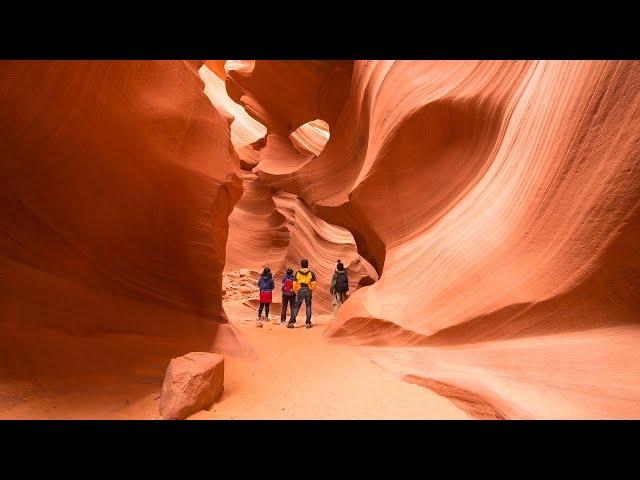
{"x": 265, "y": 284}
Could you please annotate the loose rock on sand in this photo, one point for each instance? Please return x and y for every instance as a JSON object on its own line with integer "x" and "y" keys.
{"x": 191, "y": 383}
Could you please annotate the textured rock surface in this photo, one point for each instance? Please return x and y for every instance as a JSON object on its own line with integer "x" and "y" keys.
{"x": 268, "y": 226}
{"x": 191, "y": 383}
{"x": 245, "y": 131}
{"x": 116, "y": 182}
{"x": 272, "y": 228}
{"x": 283, "y": 95}
{"x": 499, "y": 202}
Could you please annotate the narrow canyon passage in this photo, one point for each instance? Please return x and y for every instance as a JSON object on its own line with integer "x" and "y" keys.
{"x": 297, "y": 374}
{"x": 503, "y": 250}
{"x": 488, "y": 213}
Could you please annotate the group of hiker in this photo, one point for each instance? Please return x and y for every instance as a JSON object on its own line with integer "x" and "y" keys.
{"x": 297, "y": 288}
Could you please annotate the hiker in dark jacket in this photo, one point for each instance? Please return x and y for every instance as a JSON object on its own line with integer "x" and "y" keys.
{"x": 266, "y": 285}
{"x": 288, "y": 295}
{"x": 339, "y": 285}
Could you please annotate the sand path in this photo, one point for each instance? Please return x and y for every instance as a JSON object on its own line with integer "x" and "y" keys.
{"x": 297, "y": 374}
{"x": 282, "y": 374}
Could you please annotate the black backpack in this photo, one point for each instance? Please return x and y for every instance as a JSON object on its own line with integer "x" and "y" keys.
{"x": 342, "y": 282}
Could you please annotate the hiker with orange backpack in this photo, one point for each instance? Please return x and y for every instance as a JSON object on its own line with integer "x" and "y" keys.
{"x": 288, "y": 295}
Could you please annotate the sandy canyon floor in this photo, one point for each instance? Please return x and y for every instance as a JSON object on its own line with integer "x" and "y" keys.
{"x": 297, "y": 374}
{"x": 287, "y": 374}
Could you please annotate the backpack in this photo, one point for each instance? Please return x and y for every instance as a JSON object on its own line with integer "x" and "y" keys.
{"x": 342, "y": 282}
{"x": 288, "y": 287}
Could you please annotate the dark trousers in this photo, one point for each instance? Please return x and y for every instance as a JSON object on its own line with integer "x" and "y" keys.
{"x": 287, "y": 301}
{"x": 266, "y": 309}
{"x": 304, "y": 294}
{"x": 339, "y": 298}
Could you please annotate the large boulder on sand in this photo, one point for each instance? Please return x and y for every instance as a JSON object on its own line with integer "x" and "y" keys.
{"x": 191, "y": 383}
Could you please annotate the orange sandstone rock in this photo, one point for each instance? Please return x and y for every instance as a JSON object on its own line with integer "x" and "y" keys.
{"x": 116, "y": 182}
{"x": 499, "y": 202}
{"x": 192, "y": 383}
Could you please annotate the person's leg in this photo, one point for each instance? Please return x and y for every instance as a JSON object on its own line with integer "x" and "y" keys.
{"x": 308, "y": 305}
{"x": 259, "y": 320}
{"x": 266, "y": 311}
{"x": 283, "y": 310}
{"x": 293, "y": 304}
{"x": 296, "y": 307}
{"x": 290, "y": 301}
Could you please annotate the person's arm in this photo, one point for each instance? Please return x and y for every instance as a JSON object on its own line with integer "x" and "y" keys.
{"x": 313, "y": 282}
{"x": 271, "y": 284}
{"x": 296, "y": 285}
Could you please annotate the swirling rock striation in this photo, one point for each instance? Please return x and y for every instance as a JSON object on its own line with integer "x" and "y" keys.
{"x": 499, "y": 203}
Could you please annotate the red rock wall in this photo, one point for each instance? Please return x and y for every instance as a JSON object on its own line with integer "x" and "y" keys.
{"x": 499, "y": 201}
{"x": 269, "y": 226}
{"x": 116, "y": 182}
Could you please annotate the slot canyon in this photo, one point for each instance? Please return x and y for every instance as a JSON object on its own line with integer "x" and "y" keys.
{"x": 487, "y": 212}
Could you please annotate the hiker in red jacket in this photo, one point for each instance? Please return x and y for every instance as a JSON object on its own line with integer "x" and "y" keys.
{"x": 288, "y": 295}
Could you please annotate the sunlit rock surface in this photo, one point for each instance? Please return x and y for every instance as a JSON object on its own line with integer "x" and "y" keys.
{"x": 495, "y": 204}
{"x": 498, "y": 201}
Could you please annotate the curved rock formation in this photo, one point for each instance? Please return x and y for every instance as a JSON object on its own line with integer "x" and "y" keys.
{"x": 322, "y": 244}
{"x": 495, "y": 203}
{"x": 499, "y": 202}
{"x": 311, "y": 137}
{"x": 116, "y": 182}
{"x": 246, "y": 132}
{"x": 276, "y": 229}
{"x": 283, "y": 94}
{"x": 269, "y": 227}
{"x": 258, "y": 234}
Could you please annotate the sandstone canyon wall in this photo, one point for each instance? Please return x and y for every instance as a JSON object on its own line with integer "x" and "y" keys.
{"x": 270, "y": 227}
{"x": 499, "y": 204}
{"x": 116, "y": 182}
{"x": 496, "y": 206}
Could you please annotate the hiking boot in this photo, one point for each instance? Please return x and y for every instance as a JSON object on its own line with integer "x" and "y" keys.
{"x": 291, "y": 325}
{"x": 308, "y": 325}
